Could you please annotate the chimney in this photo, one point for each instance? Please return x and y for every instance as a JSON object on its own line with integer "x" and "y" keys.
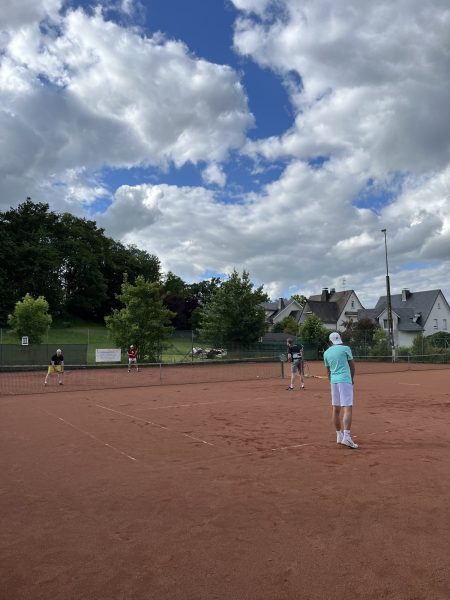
{"x": 405, "y": 295}
{"x": 332, "y": 291}
{"x": 280, "y": 303}
{"x": 324, "y": 295}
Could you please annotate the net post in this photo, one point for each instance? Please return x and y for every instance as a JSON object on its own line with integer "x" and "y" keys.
{"x": 282, "y": 369}
{"x": 160, "y": 371}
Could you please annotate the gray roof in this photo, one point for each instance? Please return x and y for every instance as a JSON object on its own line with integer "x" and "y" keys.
{"x": 405, "y": 317}
{"x": 419, "y": 302}
{"x": 270, "y": 306}
{"x": 368, "y": 313}
{"x": 406, "y": 320}
{"x": 341, "y": 299}
{"x": 328, "y": 312}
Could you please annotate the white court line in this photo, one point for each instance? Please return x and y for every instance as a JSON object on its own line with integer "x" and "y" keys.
{"x": 289, "y": 447}
{"x": 401, "y": 383}
{"x": 188, "y": 405}
{"x": 88, "y": 434}
{"x": 118, "y": 412}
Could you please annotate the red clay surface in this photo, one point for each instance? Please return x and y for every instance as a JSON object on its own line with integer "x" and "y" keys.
{"x": 227, "y": 491}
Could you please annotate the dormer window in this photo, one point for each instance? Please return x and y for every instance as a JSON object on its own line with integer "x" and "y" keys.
{"x": 353, "y": 304}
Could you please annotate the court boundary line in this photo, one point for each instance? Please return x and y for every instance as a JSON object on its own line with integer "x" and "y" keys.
{"x": 88, "y": 434}
{"x": 153, "y": 424}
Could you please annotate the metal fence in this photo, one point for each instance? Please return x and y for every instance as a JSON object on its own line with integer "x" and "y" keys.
{"x": 40, "y": 354}
{"x": 187, "y": 346}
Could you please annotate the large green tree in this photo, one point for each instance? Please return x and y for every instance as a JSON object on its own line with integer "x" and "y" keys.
{"x": 359, "y": 335}
{"x": 30, "y": 318}
{"x": 30, "y": 256}
{"x": 68, "y": 260}
{"x": 234, "y": 315}
{"x": 144, "y": 321}
{"x": 313, "y": 330}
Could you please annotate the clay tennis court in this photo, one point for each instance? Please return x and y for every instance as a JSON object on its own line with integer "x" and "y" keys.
{"x": 227, "y": 491}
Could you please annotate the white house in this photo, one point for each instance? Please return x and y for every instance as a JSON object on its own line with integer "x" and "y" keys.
{"x": 412, "y": 312}
{"x": 333, "y": 308}
{"x": 279, "y": 310}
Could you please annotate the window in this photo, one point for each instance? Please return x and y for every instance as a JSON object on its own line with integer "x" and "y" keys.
{"x": 439, "y": 305}
{"x": 444, "y": 324}
{"x": 435, "y": 323}
{"x": 385, "y": 324}
{"x": 353, "y": 304}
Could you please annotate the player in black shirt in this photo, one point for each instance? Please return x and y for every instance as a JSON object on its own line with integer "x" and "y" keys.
{"x": 56, "y": 366}
{"x": 295, "y": 357}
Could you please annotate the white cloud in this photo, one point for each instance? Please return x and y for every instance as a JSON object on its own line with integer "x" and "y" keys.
{"x": 214, "y": 174}
{"x": 374, "y": 80}
{"x": 82, "y": 93}
{"x": 314, "y": 241}
{"x": 89, "y": 93}
{"x": 16, "y": 14}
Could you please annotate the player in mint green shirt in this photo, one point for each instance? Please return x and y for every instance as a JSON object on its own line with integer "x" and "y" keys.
{"x": 340, "y": 365}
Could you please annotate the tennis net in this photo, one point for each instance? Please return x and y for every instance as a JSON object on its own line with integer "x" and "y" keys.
{"x": 22, "y": 380}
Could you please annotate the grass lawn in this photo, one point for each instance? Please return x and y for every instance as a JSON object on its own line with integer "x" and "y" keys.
{"x": 95, "y": 335}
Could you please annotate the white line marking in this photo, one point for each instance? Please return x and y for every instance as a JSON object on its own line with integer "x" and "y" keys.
{"x": 88, "y": 434}
{"x": 197, "y": 439}
{"x": 288, "y": 447}
{"x": 401, "y": 383}
{"x": 188, "y": 405}
{"x": 153, "y": 424}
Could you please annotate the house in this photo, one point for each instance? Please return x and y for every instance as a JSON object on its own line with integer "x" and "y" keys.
{"x": 279, "y": 310}
{"x": 412, "y": 313}
{"x": 333, "y": 308}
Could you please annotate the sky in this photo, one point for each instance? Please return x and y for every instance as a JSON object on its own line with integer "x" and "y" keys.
{"x": 275, "y": 136}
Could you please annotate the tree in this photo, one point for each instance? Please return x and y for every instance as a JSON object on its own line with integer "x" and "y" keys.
{"x": 287, "y": 325}
{"x": 234, "y": 315}
{"x": 144, "y": 321}
{"x": 313, "y": 330}
{"x": 440, "y": 339}
{"x": 422, "y": 345}
{"x": 30, "y": 318}
{"x": 30, "y": 255}
{"x": 300, "y": 298}
{"x": 359, "y": 335}
{"x": 204, "y": 290}
{"x": 67, "y": 260}
{"x": 82, "y": 251}
{"x": 381, "y": 345}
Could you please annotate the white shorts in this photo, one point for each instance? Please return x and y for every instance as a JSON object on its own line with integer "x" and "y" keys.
{"x": 342, "y": 394}
{"x": 132, "y": 360}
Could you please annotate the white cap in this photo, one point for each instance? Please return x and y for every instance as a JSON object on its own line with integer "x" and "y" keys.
{"x": 59, "y": 350}
{"x": 335, "y": 338}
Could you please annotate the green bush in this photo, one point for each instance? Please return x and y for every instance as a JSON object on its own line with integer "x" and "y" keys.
{"x": 381, "y": 346}
{"x": 30, "y": 318}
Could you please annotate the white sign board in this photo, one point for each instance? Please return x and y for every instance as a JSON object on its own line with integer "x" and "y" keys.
{"x": 107, "y": 355}
{"x": 24, "y": 340}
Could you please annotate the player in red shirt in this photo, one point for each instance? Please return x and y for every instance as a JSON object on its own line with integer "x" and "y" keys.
{"x": 132, "y": 358}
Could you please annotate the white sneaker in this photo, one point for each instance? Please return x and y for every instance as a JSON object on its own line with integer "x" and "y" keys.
{"x": 349, "y": 442}
{"x": 339, "y": 437}
{"x": 303, "y": 386}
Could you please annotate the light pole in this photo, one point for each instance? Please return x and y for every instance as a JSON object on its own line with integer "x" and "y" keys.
{"x": 389, "y": 303}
